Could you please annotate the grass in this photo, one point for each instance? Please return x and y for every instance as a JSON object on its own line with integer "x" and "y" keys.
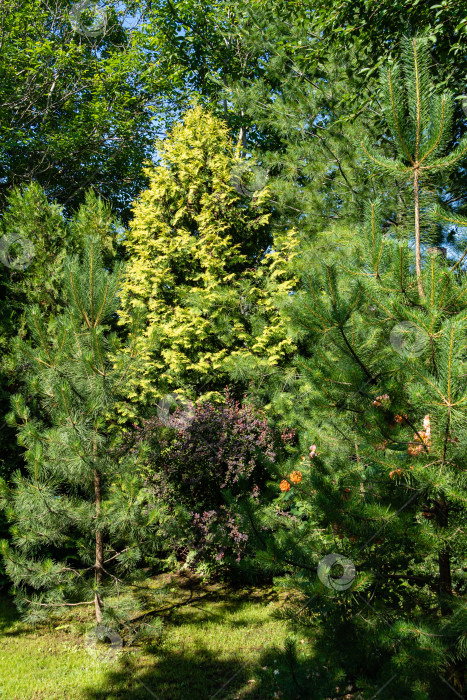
{"x": 215, "y": 643}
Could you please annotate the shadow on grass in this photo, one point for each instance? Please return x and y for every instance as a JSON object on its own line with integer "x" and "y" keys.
{"x": 200, "y": 675}
{"x": 200, "y": 672}
{"x": 9, "y": 615}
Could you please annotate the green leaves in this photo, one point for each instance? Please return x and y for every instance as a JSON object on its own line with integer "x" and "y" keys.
{"x": 74, "y": 112}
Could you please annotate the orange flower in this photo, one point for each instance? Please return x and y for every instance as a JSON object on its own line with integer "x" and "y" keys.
{"x": 398, "y": 418}
{"x": 295, "y": 477}
{"x": 284, "y": 485}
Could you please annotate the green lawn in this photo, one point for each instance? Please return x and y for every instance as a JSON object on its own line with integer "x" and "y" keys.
{"x": 215, "y": 643}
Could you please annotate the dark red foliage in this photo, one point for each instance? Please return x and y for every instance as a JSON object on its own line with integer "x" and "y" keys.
{"x": 196, "y": 460}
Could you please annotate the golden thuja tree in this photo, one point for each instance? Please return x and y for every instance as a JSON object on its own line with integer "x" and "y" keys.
{"x": 203, "y": 267}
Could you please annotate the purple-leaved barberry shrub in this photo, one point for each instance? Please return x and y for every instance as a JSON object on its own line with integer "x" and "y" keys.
{"x": 223, "y": 454}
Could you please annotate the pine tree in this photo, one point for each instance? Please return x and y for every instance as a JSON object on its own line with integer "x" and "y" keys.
{"x": 420, "y": 120}
{"x": 379, "y": 402}
{"x": 35, "y": 238}
{"x": 303, "y": 114}
{"x": 79, "y": 513}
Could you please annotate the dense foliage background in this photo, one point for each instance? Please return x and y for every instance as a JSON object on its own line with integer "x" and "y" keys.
{"x": 233, "y": 318}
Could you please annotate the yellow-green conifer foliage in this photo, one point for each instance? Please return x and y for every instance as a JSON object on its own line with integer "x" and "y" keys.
{"x": 202, "y": 264}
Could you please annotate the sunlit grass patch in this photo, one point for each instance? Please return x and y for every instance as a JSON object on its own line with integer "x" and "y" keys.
{"x": 215, "y": 642}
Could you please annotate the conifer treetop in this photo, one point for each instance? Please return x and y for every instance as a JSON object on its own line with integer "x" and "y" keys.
{"x": 420, "y": 120}
{"x": 199, "y": 252}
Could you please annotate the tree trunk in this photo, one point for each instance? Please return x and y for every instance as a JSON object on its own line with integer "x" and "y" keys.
{"x": 242, "y": 135}
{"x": 418, "y": 260}
{"x": 98, "y": 602}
